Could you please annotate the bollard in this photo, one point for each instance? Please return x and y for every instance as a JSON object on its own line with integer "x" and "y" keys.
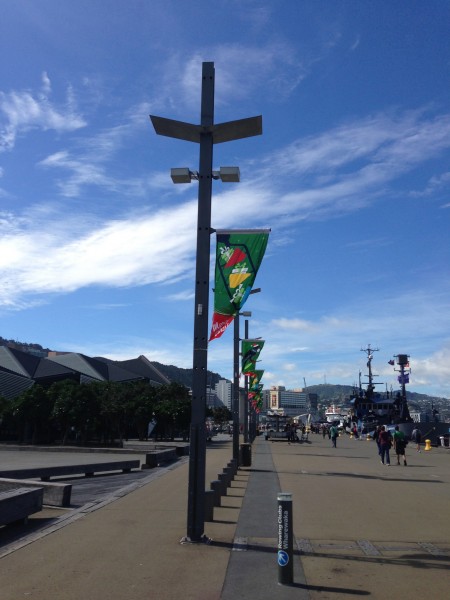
{"x": 223, "y": 482}
{"x": 228, "y": 471}
{"x": 427, "y": 445}
{"x": 216, "y": 487}
{"x": 285, "y": 554}
{"x": 209, "y": 505}
{"x": 368, "y": 438}
{"x": 232, "y": 466}
{"x": 245, "y": 455}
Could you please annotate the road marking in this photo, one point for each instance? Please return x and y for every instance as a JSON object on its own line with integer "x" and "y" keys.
{"x": 368, "y": 548}
{"x": 240, "y": 544}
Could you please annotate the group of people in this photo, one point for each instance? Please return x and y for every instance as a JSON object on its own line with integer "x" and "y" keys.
{"x": 385, "y": 441}
{"x": 294, "y": 430}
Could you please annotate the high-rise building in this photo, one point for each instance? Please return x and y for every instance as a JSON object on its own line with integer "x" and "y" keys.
{"x": 224, "y": 391}
{"x": 291, "y": 402}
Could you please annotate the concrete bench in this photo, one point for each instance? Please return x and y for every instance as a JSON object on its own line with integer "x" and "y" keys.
{"x": 17, "y": 504}
{"x": 277, "y": 435}
{"x": 55, "y": 494}
{"x": 44, "y": 473}
{"x": 180, "y": 448}
{"x": 158, "y": 457}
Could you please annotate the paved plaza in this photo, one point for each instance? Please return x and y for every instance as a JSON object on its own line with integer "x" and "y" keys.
{"x": 360, "y": 529}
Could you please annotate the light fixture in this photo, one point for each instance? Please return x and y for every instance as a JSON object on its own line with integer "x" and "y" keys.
{"x": 182, "y": 175}
{"x": 185, "y": 175}
{"x": 228, "y": 174}
{"x": 246, "y": 313}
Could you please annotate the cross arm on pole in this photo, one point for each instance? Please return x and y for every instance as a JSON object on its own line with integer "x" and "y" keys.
{"x": 222, "y": 132}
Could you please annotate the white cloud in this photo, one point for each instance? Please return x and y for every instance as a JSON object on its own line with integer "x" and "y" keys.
{"x": 181, "y": 296}
{"x": 23, "y": 111}
{"x": 49, "y": 252}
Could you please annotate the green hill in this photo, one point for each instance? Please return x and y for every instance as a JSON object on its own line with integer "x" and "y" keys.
{"x": 184, "y": 376}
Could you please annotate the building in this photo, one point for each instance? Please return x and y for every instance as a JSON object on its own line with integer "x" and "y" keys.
{"x": 19, "y": 370}
{"x": 224, "y": 391}
{"x": 212, "y": 399}
{"x": 291, "y": 402}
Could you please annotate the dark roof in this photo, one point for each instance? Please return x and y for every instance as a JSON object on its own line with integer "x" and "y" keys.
{"x": 49, "y": 368}
{"x": 20, "y": 370}
{"x": 83, "y": 364}
{"x": 18, "y": 362}
{"x": 12, "y": 385}
{"x": 143, "y": 367}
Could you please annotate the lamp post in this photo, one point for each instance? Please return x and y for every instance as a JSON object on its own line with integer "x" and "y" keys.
{"x": 246, "y": 401}
{"x": 236, "y": 371}
{"x": 206, "y": 135}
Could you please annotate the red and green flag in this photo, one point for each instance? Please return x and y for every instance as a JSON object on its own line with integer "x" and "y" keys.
{"x": 254, "y": 380}
{"x": 251, "y": 350}
{"x": 239, "y": 254}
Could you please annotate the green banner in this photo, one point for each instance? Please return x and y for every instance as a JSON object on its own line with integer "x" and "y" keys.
{"x": 239, "y": 254}
{"x": 251, "y": 350}
{"x": 254, "y": 380}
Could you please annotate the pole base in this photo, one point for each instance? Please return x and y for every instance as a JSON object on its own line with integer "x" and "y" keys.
{"x": 203, "y": 540}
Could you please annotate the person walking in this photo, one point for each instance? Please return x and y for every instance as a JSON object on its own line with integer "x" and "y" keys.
{"x": 385, "y": 440}
{"x": 416, "y": 436}
{"x": 400, "y": 444}
{"x": 376, "y": 437}
{"x": 334, "y": 435}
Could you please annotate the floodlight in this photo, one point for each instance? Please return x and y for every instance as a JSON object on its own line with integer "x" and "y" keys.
{"x": 229, "y": 174}
{"x": 246, "y": 313}
{"x": 181, "y": 175}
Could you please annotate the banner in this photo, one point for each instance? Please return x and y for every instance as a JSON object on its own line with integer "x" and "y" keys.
{"x": 254, "y": 380}
{"x": 251, "y": 350}
{"x": 404, "y": 379}
{"x": 238, "y": 257}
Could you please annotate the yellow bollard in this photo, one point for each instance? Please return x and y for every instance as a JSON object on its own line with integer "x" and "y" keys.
{"x": 351, "y": 435}
{"x": 369, "y": 437}
{"x": 427, "y": 444}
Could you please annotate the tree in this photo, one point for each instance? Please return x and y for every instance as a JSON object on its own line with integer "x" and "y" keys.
{"x": 173, "y": 410}
{"x": 221, "y": 415}
{"x": 32, "y": 411}
{"x": 76, "y": 408}
{"x": 142, "y": 402}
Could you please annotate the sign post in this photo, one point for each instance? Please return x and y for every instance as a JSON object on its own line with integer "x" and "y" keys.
{"x": 285, "y": 554}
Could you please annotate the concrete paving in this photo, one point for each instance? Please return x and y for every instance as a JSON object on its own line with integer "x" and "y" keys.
{"x": 360, "y": 529}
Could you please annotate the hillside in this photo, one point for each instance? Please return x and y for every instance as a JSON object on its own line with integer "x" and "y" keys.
{"x": 326, "y": 392}
{"x": 184, "y": 376}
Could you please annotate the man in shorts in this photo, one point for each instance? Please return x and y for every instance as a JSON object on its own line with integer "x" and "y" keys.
{"x": 399, "y": 444}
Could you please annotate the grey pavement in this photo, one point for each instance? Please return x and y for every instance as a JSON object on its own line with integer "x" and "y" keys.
{"x": 360, "y": 528}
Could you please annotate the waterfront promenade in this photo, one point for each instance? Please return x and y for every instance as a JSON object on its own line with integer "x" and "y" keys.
{"x": 361, "y": 529}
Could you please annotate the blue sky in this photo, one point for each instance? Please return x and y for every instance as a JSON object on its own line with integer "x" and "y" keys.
{"x": 351, "y": 174}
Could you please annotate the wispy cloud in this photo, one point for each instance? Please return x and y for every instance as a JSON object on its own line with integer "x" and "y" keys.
{"x": 22, "y": 111}
{"x": 49, "y": 252}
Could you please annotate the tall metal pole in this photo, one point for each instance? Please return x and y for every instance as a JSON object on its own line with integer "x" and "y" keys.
{"x": 197, "y": 453}
{"x": 246, "y": 402}
{"x": 206, "y": 135}
{"x": 235, "y": 410}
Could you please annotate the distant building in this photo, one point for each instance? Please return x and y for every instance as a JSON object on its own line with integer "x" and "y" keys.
{"x": 292, "y": 402}
{"x": 224, "y": 391}
{"x": 212, "y": 399}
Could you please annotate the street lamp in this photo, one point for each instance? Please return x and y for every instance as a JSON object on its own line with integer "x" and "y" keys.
{"x": 236, "y": 371}
{"x": 246, "y": 400}
{"x": 225, "y": 174}
{"x": 206, "y": 135}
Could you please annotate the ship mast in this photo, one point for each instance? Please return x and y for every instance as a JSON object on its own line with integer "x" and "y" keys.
{"x": 371, "y": 385}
